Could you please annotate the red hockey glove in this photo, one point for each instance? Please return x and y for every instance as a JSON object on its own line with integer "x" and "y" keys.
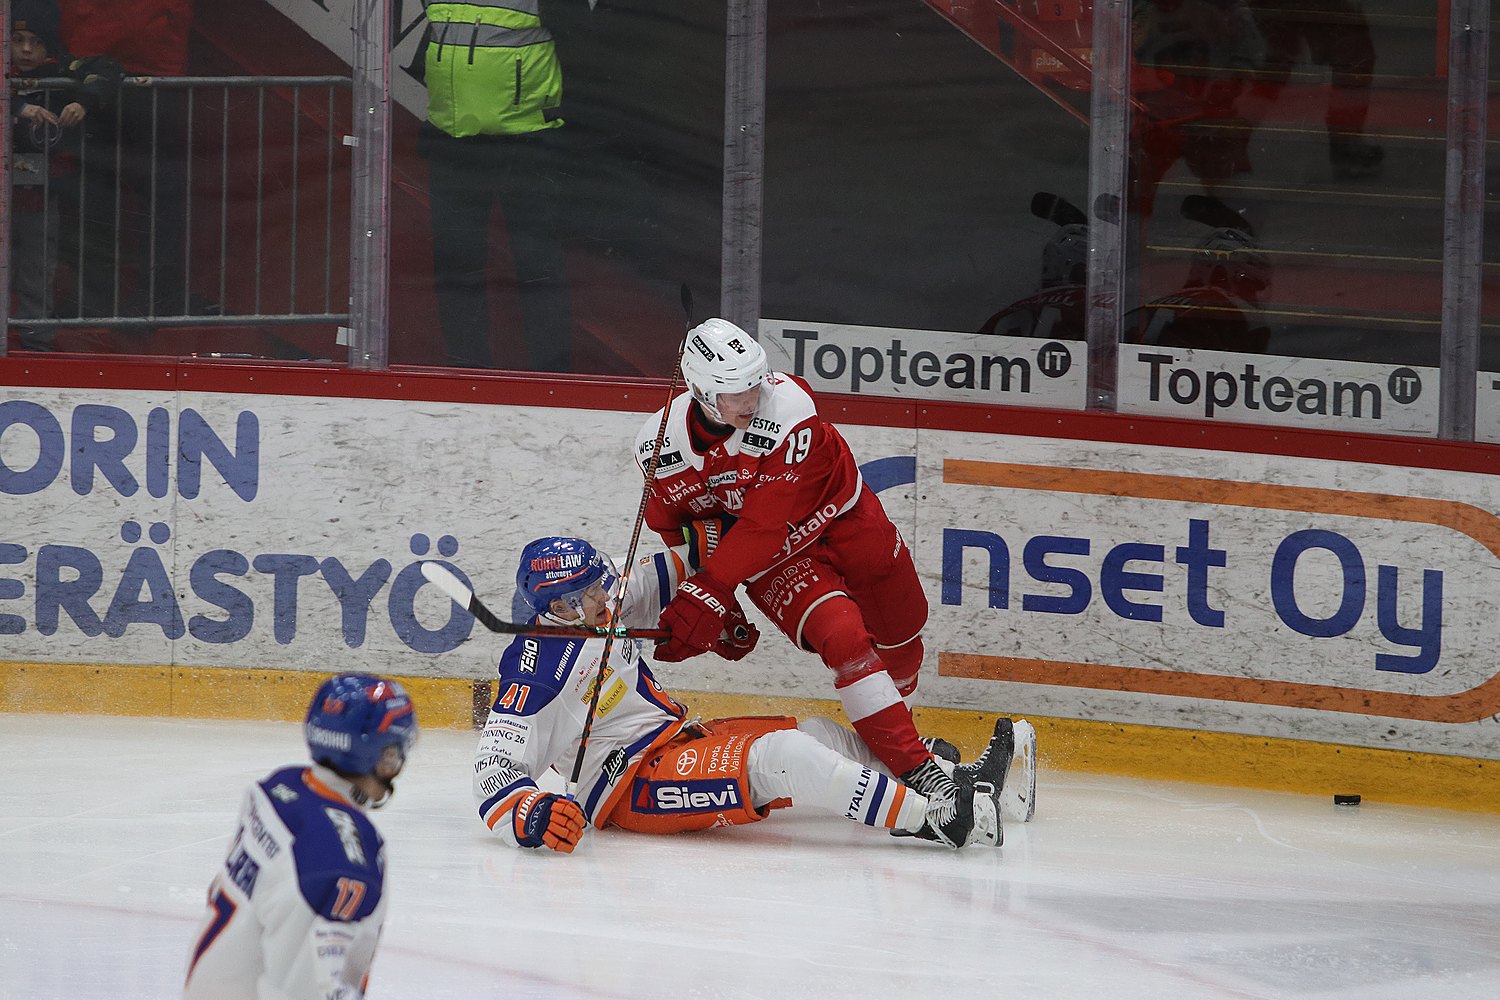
{"x": 738, "y": 638}
{"x": 695, "y": 617}
{"x": 546, "y": 819}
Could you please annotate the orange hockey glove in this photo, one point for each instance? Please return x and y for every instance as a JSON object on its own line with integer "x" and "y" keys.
{"x": 695, "y": 617}
{"x": 546, "y": 819}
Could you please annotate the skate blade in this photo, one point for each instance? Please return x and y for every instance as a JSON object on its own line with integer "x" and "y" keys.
{"x": 987, "y": 830}
{"x": 1018, "y": 801}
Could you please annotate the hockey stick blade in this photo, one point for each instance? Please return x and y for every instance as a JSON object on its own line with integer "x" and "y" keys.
{"x": 464, "y": 598}
{"x": 1056, "y": 209}
{"x": 1214, "y": 213}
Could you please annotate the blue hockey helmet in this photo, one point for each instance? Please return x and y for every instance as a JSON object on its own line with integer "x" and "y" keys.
{"x": 559, "y": 568}
{"x": 359, "y": 721}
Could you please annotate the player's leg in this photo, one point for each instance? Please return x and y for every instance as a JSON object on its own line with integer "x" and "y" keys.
{"x": 868, "y": 553}
{"x": 790, "y": 764}
{"x": 700, "y": 780}
{"x": 846, "y": 741}
{"x": 806, "y": 599}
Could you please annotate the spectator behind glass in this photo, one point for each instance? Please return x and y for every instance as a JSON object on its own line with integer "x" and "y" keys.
{"x": 149, "y": 38}
{"x": 44, "y": 145}
{"x": 493, "y": 137}
{"x": 1193, "y": 59}
{"x": 1335, "y": 34}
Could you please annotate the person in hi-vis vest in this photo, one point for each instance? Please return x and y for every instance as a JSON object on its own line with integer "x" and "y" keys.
{"x": 493, "y": 136}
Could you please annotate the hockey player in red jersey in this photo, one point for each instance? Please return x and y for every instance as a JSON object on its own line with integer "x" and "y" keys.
{"x": 768, "y": 495}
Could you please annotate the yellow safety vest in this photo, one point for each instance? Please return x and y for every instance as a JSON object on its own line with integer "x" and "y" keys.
{"x": 492, "y": 69}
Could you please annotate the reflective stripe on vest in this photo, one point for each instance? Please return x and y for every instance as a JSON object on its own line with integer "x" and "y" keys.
{"x": 489, "y": 36}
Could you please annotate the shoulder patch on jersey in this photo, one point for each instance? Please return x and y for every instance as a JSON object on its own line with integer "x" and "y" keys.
{"x": 539, "y": 662}
{"x": 670, "y": 461}
{"x": 752, "y": 442}
{"x": 338, "y": 855}
{"x": 342, "y": 893}
{"x": 348, "y": 833}
{"x": 785, "y": 407}
{"x": 530, "y": 648}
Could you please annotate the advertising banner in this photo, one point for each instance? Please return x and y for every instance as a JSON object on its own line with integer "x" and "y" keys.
{"x": 1487, "y": 408}
{"x": 1285, "y": 392}
{"x": 928, "y": 364}
{"x": 1336, "y": 601}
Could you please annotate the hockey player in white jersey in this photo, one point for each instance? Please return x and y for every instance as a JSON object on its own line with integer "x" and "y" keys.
{"x": 646, "y": 766}
{"x": 295, "y": 910}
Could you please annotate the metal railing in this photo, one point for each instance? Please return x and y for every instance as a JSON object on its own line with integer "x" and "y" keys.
{"x": 125, "y": 216}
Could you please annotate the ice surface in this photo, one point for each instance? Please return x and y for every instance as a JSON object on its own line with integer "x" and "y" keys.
{"x": 110, "y": 830}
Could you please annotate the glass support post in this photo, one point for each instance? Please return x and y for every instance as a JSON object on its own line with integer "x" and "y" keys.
{"x": 744, "y": 162}
{"x": 370, "y": 209}
{"x": 1463, "y": 215}
{"x": 1109, "y": 153}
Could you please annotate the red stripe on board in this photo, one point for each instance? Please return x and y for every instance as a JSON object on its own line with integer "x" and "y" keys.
{"x": 645, "y": 395}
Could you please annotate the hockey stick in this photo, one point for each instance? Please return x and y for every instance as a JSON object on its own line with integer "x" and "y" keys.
{"x": 635, "y": 537}
{"x": 1056, "y": 209}
{"x": 464, "y": 598}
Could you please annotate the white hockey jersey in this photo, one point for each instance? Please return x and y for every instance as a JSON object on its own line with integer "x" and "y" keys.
{"x": 295, "y": 911}
{"x": 543, "y": 695}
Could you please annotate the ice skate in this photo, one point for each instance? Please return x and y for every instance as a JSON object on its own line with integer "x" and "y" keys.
{"x": 985, "y": 781}
{"x": 941, "y": 748}
{"x": 950, "y": 805}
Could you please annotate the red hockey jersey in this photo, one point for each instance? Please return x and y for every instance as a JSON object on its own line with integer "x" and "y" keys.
{"x": 783, "y": 479}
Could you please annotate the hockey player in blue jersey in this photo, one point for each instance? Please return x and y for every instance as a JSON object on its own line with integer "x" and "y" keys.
{"x": 295, "y": 910}
{"x": 648, "y": 768}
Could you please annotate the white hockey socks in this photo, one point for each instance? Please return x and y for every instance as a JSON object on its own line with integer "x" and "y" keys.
{"x": 791, "y": 764}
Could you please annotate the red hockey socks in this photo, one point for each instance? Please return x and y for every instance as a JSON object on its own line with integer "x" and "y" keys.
{"x": 869, "y": 696}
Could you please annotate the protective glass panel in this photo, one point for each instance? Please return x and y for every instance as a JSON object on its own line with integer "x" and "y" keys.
{"x": 1287, "y": 171}
{"x": 914, "y": 155}
{"x": 555, "y": 183}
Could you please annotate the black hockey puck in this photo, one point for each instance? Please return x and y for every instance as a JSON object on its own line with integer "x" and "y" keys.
{"x": 1346, "y": 800}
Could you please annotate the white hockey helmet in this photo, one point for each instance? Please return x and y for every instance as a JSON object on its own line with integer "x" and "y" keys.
{"x": 720, "y": 358}
{"x": 1065, "y": 257}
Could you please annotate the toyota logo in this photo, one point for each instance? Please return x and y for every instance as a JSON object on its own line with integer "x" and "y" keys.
{"x": 688, "y": 761}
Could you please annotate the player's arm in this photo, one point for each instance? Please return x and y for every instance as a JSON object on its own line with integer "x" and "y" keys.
{"x": 650, "y": 584}
{"x": 349, "y": 909}
{"x": 661, "y": 517}
{"x": 525, "y": 733}
{"x": 668, "y": 522}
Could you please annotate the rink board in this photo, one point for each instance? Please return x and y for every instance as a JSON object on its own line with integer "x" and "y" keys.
{"x": 1166, "y": 754}
{"x": 1307, "y": 597}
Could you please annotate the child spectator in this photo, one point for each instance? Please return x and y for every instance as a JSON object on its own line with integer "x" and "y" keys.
{"x": 44, "y": 143}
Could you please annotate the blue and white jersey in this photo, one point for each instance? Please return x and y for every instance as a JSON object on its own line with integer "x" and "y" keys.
{"x": 295, "y": 911}
{"x": 543, "y": 696}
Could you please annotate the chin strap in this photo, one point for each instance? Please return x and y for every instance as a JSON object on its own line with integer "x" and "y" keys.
{"x": 365, "y": 802}
{"x": 346, "y": 787}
